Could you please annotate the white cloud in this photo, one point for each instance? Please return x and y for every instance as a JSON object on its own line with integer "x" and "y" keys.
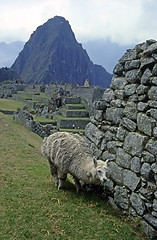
{"x": 124, "y": 21}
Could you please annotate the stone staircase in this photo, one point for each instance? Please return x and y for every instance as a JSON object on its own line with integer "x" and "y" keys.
{"x": 31, "y": 99}
{"x": 73, "y": 115}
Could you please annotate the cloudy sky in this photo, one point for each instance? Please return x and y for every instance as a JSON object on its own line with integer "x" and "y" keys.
{"x": 123, "y": 21}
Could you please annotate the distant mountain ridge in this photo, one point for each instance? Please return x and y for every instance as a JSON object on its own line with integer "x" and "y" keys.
{"x": 52, "y": 54}
{"x": 9, "y": 52}
{"x": 105, "y": 52}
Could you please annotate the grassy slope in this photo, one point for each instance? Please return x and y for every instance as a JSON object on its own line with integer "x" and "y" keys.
{"x": 8, "y": 104}
{"x": 32, "y": 208}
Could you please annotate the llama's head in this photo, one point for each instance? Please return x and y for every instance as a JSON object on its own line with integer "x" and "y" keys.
{"x": 101, "y": 169}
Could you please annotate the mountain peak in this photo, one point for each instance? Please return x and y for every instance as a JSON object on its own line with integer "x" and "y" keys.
{"x": 52, "y": 54}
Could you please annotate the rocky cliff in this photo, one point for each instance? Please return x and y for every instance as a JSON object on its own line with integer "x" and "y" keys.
{"x": 52, "y": 54}
{"x": 124, "y": 130}
{"x": 9, "y": 75}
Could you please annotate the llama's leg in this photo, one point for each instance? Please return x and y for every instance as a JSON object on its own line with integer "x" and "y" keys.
{"x": 61, "y": 179}
{"x": 77, "y": 184}
{"x": 55, "y": 177}
{"x": 53, "y": 170}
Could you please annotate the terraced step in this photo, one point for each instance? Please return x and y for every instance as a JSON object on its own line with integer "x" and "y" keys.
{"x": 45, "y": 123}
{"x": 74, "y": 113}
{"x": 19, "y": 97}
{"x": 71, "y": 122}
{"x": 25, "y": 96}
{"x": 76, "y": 124}
{"x": 74, "y": 106}
{"x": 72, "y": 100}
{"x": 78, "y": 130}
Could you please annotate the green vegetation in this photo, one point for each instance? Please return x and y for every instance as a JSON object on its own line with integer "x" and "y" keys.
{"x": 75, "y": 105}
{"x": 35, "y": 97}
{"x": 74, "y": 110}
{"x": 41, "y": 119}
{"x": 58, "y": 116}
{"x": 43, "y": 95}
{"x": 22, "y": 94}
{"x": 9, "y": 104}
{"x": 32, "y": 208}
{"x": 72, "y": 130}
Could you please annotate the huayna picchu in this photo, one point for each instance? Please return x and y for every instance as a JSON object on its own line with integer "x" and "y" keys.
{"x": 52, "y": 54}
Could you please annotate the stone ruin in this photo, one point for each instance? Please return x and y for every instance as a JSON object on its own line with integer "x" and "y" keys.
{"x": 26, "y": 119}
{"x": 124, "y": 130}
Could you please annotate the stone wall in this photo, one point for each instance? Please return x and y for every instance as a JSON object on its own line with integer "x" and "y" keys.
{"x": 26, "y": 119}
{"x": 6, "y": 90}
{"x": 124, "y": 130}
{"x": 89, "y": 94}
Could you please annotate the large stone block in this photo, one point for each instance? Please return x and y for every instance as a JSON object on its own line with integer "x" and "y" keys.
{"x": 151, "y": 146}
{"x": 145, "y": 124}
{"x": 130, "y": 89}
{"x": 154, "y": 71}
{"x": 137, "y": 203}
{"x": 113, "y": 145}
{"x": 118, "y": 69}
{"x": 145, "y": 79}
{"x": 116, "y": 172}
{"x": 108, "y": 95}
{"x": 93, "y": 133}
{"x": 123, "y": 158}
{"x": 135, "y": 164}
{"x": 121, "y": 133}
{"x": 150, "y": 50}
{"x": 121, "y": 197}
{"x": 131, "y": 54}
{"x": 142, "y": 89}
{"x": 148, "y": 157}
{"x": 146, "y": 171}
{"x": 154, "y": 167}
{"x": 129, "y": 124}
{"x": 130, "y": 110}
{"x": 151, "y": 220}
{"x": 118, "y": 83}
{"x": 152, "y": 93}
{"x": 147, "y": 62}
{"x": 142, "y": 107}
{"x": 130, "y": 180}
{"x": 114, "y": 115}
{"x": 108, "y": 156}
{"x": 153, "y": 113}
{"x": 132, "y": 75}
{"x": 132, "y": 64}
{"x": 134, "y": 143}
{"x": 155, "y": 205}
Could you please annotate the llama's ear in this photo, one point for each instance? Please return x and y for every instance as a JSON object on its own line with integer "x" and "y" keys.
{"x": 107, "y": 161}
{"x": 95, "y": 162}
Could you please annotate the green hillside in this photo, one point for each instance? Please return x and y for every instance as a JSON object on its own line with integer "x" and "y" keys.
{"x": 32, "y": 208}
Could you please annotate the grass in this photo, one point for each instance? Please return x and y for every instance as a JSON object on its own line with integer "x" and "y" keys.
{"x": 73, "y": 110}
{"x": 58, "y": 116}
{"x": 23, "y": 95}
{"x": 75, "y": 105}
{"x": 72, "y": 130}
{"x": 10, "y": 105}
{"x": 41, "y": 119}
{"x": 43, "y": 95}
{"x": 32, "y": 208}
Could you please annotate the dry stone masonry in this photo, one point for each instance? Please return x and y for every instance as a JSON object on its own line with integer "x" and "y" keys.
{"x": 124, "y": 130}
{"x": 26, "y": 119}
